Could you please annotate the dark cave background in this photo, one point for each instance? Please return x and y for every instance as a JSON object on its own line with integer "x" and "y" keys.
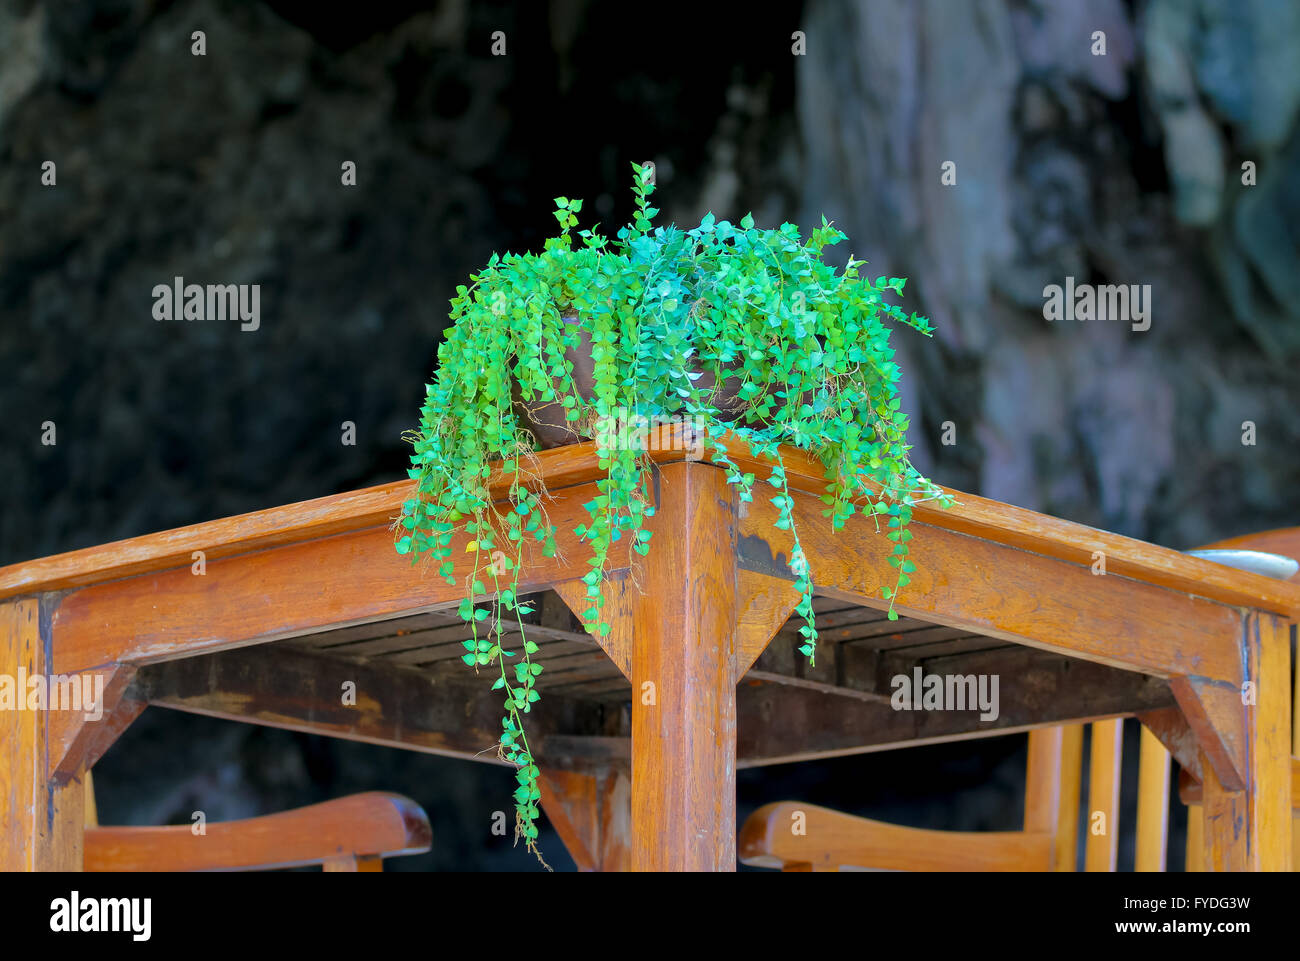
{"x": 1123, "y": 168}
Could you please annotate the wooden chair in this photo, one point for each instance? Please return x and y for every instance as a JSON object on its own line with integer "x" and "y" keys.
{"x": 803, "y": 837}
{"x": 353, "y": 833}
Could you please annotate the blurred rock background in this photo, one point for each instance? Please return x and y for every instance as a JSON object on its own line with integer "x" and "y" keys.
{"x": 1119, "y": 168}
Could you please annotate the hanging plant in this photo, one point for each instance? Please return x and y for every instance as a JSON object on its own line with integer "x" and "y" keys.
{"x": 730, "y": 327}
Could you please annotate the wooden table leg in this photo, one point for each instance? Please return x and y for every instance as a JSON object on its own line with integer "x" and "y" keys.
{"x": 41, "y": 824}
{"x": 683, "y": 679}
{"x": 1249, "y": 830}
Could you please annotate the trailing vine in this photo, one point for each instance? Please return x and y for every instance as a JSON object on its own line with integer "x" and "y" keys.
{"x": 723, "y": 326}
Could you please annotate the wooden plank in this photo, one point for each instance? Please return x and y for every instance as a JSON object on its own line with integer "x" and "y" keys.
{"x": 1153, "y": 804}
{"x": 41, "y": 823}
{"x": 791, "y": 833}
{"x": 618, "y": 594}
{"x": 1177, "y": 737}
{"x": 1195, "y": 856}
{"x": 1101, "y": 848}
{"x": 1007, "y": 593}
{"x": 612, "y": 688}
{"x": 913, "y": 643}
{"x": 1191, "y": 792}
{"x": 1067, "y": 825}
{"x": 778, "y": 723}
{"x": 275, "y": 527}
{"x": 443, "y": 658}
{"x": 1217, "y": 717}
{"x": 1052, "y": 537}
{"x": 863, "y": 630}
{"x": 450, "y": 634}
{"x": 1269, "y": 799}
{"x": 766, "y": 603}
{"x": 683, "y": 664}
{"x": 77, "y": 739}
{"x": 1043, "y": 789}
{"x": 1250, "y": 829}
{"x": 283, "y": 592}
{"x": 591, "y": 812}
{"x": 376, "y": 629}
{"x": 579, "y": 464}
{"x": 289, "y": 688}
{"x": 365, "y": 827}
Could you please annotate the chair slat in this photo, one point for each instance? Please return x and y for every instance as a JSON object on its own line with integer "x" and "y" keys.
{"x": 374, "y": 824}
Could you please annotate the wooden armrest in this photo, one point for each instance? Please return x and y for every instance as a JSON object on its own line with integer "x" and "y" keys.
{"x": 1189, "y": 789}
{"x": 362, "y": 826}
{"x": 831, "y": 839}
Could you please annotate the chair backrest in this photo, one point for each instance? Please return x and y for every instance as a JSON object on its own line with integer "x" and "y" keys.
{"x": 802, "y": 837}
{"x": 352, "y": 833}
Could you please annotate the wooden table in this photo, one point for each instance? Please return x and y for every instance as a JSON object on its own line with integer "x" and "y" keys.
{"x": 265, "y": 617}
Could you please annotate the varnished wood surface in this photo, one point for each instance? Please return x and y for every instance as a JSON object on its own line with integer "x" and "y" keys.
{"x": 41, "y": 823}
{"x": 295, "y": 589}
{"x": 1014, "y": 595}
{"x": 349, "y": 833}
{"x": 1248, "y": 827}
{"x": 354, "y": 510}
{"x": 1101, "y": 847}
{"x": 789, "y": 834}
{"x": 1153, "y": 804}
{"x": 684, "y": 648}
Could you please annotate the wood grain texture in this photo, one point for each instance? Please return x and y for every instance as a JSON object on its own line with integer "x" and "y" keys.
{"x": 1217, "y": 717}
{"x": 684, "y": 681}
{"x": 578, "y": 464}
{"x": 792, "y": 833}
{"x": 1043, "y": 771}
{"x": 1053, "y": 537}
{"x": 41, "y": 823}
{"x": 274, "y": 527}
{"x": 1066, "y": 841}
{"x": 301, "y": 691}
{"x": 592, "y": 814}
{"x": 1170, "y": 727}
{"x": 1007, "y": 593}
{"x": 780, "y": 723}
{"x": 364, "y": 827}
{"x": 1101, "y": 848}
{"x": 617, "y": 595}
{"x": 1194, "y": 858}
{"x": 285, "y": 591}
{"x": 1249, "y": 829}
{"x": 78, "y": 741}
{"x": 1052, "y": 777}
{"x": 766, "y": 603}
{"x": 1190, "y": 790}
{"x": 1153, "y": 804}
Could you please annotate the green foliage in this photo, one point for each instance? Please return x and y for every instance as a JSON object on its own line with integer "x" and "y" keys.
{"x": 670, "y": 314}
